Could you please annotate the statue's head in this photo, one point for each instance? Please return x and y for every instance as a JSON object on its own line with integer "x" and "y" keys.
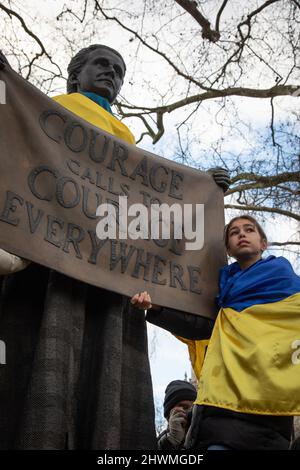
{"x": 98, "y": 69}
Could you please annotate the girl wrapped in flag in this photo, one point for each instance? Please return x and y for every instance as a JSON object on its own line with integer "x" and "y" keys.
{"x": 249, "y": 381}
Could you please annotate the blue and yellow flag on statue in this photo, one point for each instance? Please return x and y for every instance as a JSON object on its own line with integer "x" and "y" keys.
{"x": 84, "y": 106}
{"x": 252, "y": 363}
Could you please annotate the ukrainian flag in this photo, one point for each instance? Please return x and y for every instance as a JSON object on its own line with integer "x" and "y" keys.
{"x": 197, "y": 351}
{"x": 91, "y": 112}
{"x": 252, "y": 363}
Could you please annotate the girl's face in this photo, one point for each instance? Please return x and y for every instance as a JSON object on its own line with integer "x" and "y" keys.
{"x": 244, "y": 241}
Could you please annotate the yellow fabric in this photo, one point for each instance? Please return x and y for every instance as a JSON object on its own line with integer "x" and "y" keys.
{"x": 93, "y": 113}
{"x": 197, "y": 351}
{"x": 252, "y": 363}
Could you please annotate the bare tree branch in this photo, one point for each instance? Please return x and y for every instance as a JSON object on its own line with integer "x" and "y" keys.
{"x": 219, "y": 15}
{"x": 247, "y": 22}
{"x": 262, "y": 181}
{"x": 284, "y": 243}
{"x": 272, "y": 122}
{"x": 191, "y": 7}
{"x": 153, "y": 49}
{"x": 69, "y": 10}
{"x": 30, "y": 33}
{"x": 263, "y": 209}
{"x": 280, "y": 90}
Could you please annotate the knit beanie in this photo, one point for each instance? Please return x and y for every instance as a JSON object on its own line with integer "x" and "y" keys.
{"x": 176, "y": 391}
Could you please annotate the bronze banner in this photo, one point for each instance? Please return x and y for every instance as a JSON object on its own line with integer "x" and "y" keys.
{"x": 56, "y": 169}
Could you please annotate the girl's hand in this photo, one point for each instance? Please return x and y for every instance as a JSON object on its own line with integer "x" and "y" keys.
{"x": 142, "y": 300}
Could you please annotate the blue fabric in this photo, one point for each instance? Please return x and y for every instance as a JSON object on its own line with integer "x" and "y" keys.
{"x": 103, "y": 102}
{"x": 268, "y": 280}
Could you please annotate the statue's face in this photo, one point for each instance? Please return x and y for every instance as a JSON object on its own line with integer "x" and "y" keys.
{"x": 103, "y": 74}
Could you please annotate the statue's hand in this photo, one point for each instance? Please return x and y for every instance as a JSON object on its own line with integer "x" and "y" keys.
{"x": 3, "y": 61}
{"x": 10, "y": 263}
{"x": 221, "y": 177}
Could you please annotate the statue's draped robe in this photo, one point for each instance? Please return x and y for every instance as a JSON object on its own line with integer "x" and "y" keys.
{"x": 77, "y": 372}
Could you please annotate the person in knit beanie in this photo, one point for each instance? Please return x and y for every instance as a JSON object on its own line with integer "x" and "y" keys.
{"x": 178, "y": 401}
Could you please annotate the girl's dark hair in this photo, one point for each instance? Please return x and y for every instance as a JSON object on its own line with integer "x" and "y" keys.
{"x": 78, "y": 61}
{"x": 247, "y": 217}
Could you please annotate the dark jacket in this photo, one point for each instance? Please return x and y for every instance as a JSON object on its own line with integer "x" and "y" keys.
{"x": 239, "y": 431}
{"x": 296, "y": 444}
